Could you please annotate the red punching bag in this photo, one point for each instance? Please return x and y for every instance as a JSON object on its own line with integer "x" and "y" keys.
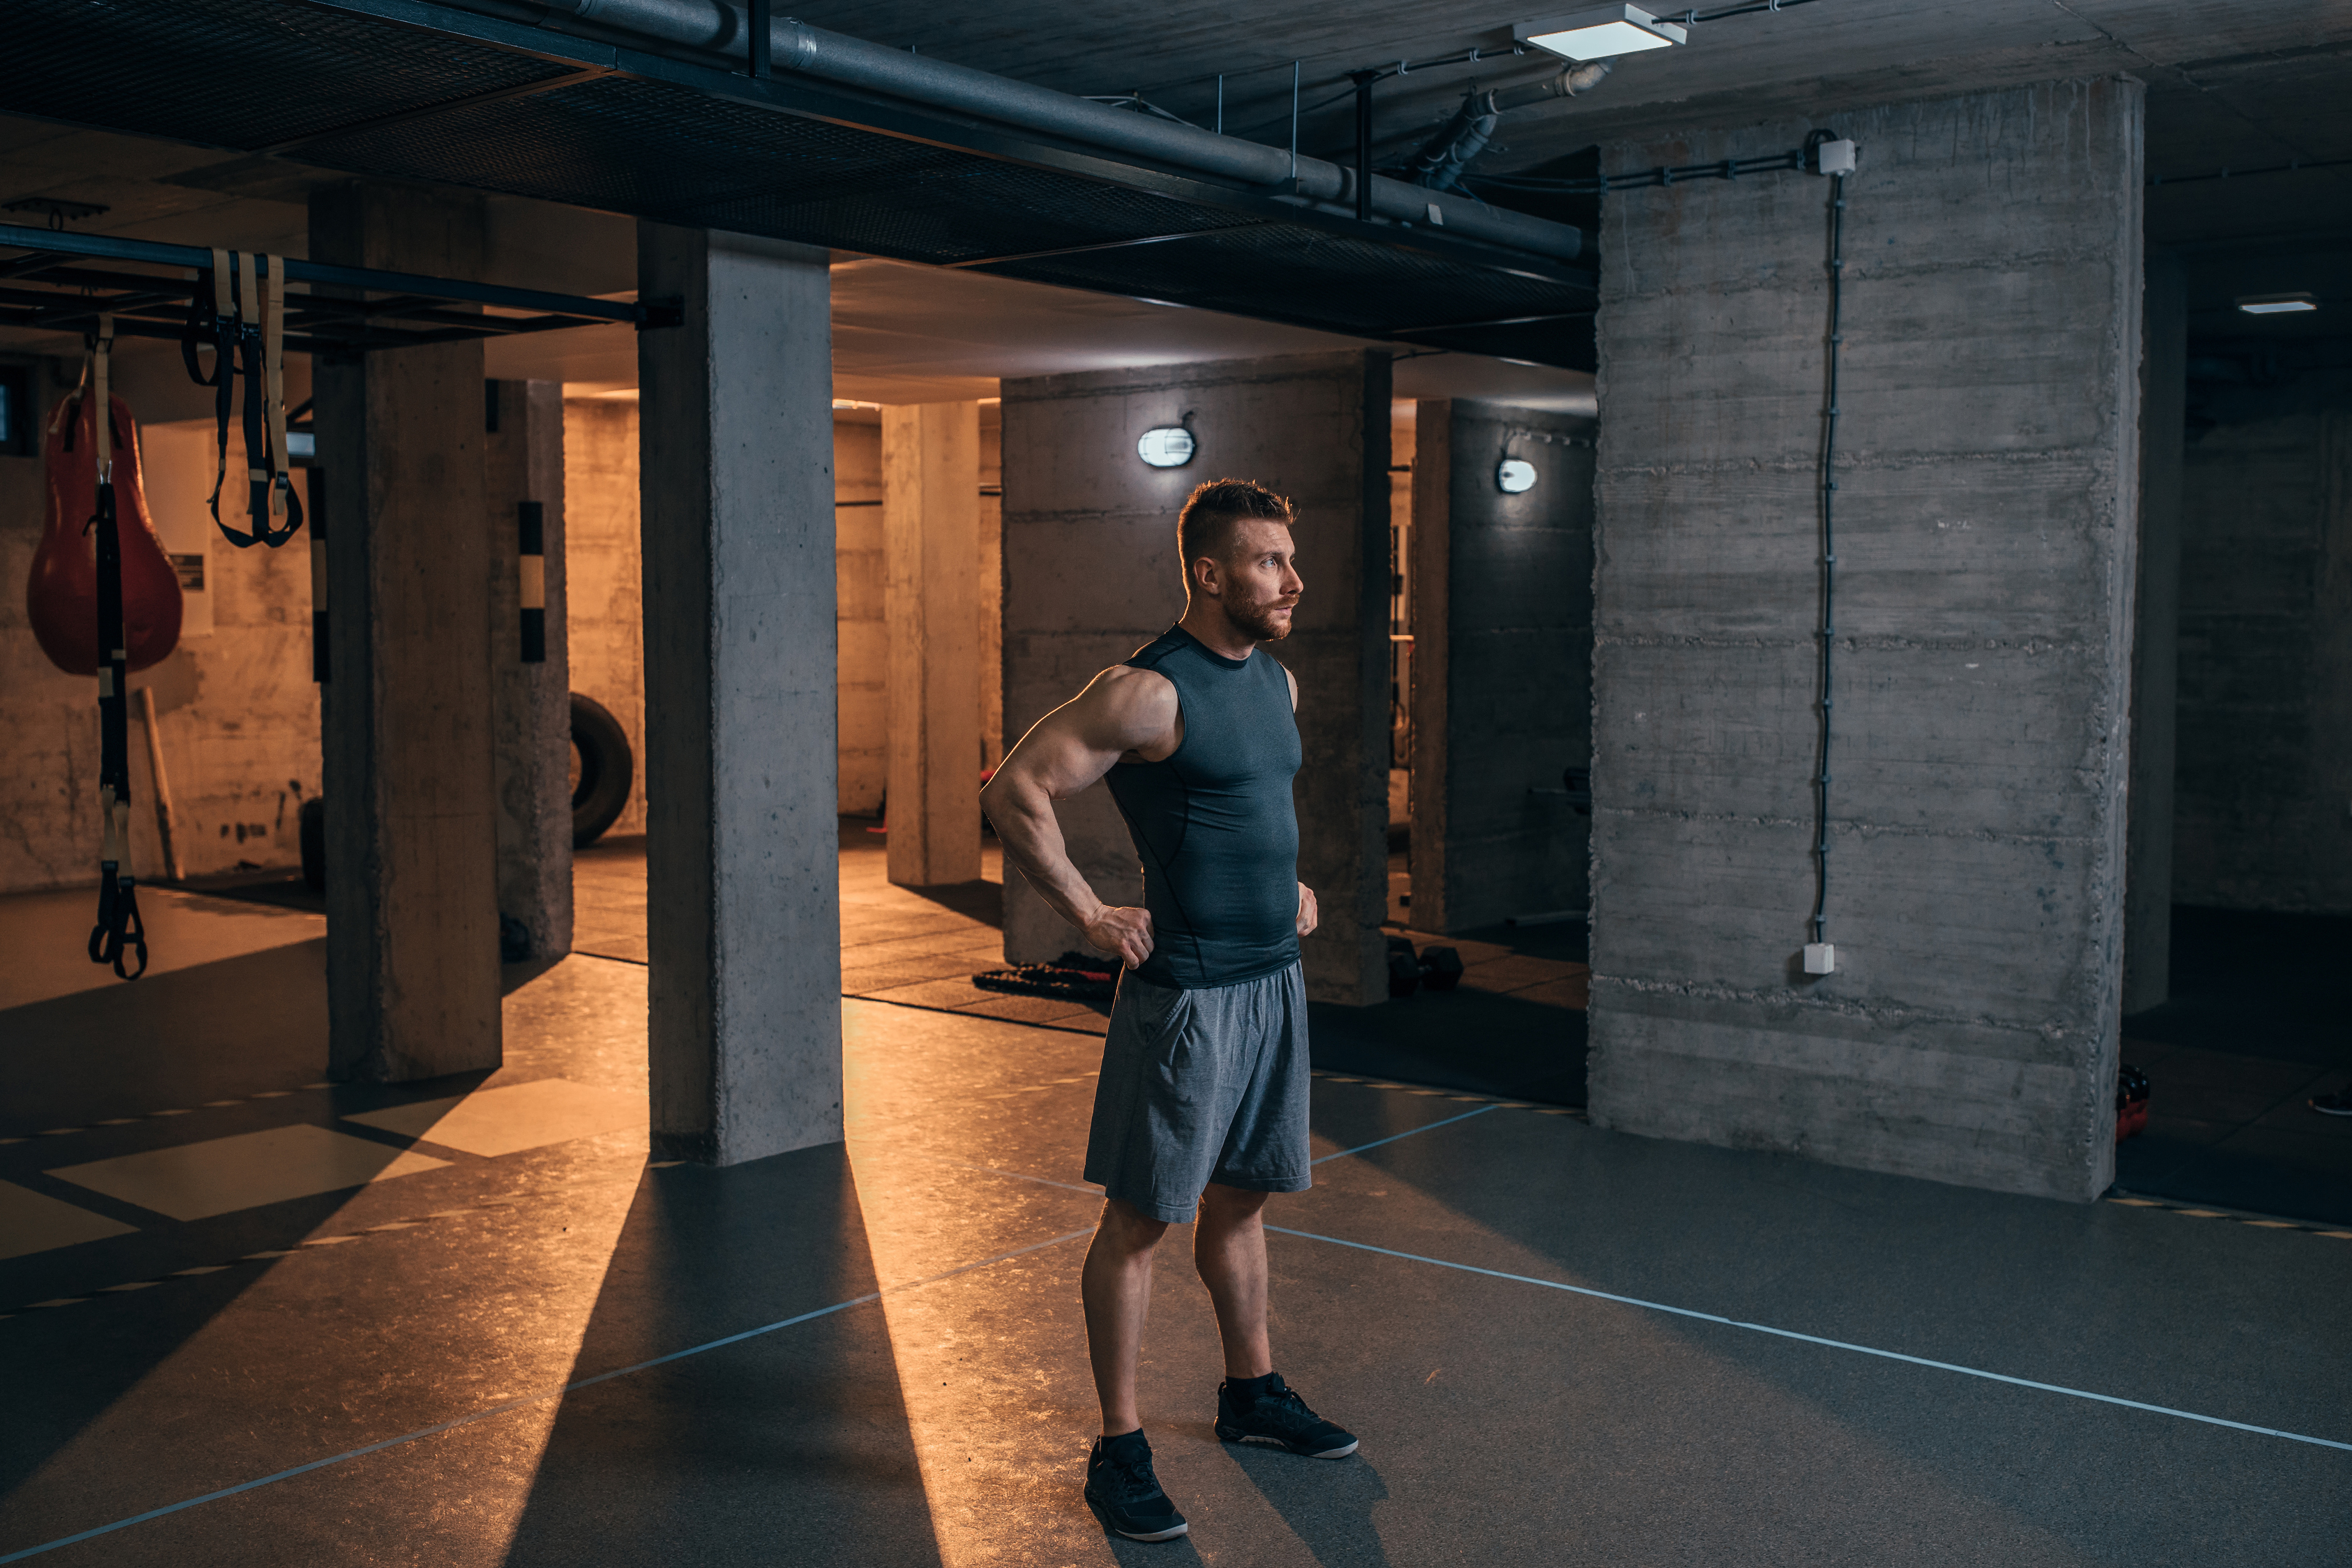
{"x": 61, "y": 594}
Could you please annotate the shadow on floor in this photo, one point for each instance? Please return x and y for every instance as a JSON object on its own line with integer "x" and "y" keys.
{"x": 2256, "y": 1025}
{"x": 790, "y": 1447}
{"x": 983, "y": 901}
{"x": 1471, "y": 1041}
{"x": 278, "y": 889}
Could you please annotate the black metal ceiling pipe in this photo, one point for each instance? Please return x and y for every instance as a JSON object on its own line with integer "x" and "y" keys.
{"x": 718, "y": 26}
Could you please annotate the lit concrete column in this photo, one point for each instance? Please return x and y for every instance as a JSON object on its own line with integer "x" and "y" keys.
{"x": 1502, "y": 663}
{"x": 524, "y": 469}
{"x": 2155, "y": 648}
{"x": 1988, "y": 468}
{"x": 931, "y": 625}
{"x": 411, "y": 836}
{"x": 743, "y": 902}
{"x": 1091, "y": 574}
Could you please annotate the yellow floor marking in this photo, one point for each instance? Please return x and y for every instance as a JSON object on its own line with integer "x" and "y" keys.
{"x": 2202, "y": 1213}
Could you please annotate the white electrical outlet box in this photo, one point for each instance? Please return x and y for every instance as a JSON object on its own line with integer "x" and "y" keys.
{"x": 1821, "y": 958}
{"x": 1836, "y": 157}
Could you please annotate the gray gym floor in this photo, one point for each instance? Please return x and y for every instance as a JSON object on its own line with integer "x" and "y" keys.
{"x": 525, "y": 1345}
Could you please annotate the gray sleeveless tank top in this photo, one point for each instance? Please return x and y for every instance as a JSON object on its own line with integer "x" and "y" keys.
{"x": 1213, "y": 822}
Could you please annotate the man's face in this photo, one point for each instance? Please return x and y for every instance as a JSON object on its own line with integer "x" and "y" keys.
{"x": 1258, "y": 582}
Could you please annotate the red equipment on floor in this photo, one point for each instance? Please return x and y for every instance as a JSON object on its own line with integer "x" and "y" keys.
{"x": 61, "y": 593}
{"x": 2131, "y": 1102}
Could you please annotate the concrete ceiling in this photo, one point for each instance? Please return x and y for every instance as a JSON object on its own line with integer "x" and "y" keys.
{"x": 2231, "y": 84}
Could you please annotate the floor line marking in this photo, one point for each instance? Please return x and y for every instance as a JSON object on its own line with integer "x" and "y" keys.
{"x": 542, "y": 1394}
{"x": 1376, "y": 1142}
{"x": 1812, "y": 1339}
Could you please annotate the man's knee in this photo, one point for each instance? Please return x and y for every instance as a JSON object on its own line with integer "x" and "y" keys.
{"x": 1230, "y": 1205}
{"x": 1128, "y": 1228}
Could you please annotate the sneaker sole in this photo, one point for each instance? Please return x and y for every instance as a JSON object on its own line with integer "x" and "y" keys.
{"x": 1103, "y": 1515}
{"x": 1225, "y": 1436}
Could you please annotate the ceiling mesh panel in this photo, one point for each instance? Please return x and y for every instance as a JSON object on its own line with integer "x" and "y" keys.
{"x": 233, "y": 73}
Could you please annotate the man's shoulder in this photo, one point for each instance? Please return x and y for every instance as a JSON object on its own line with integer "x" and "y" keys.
{"x": 1138, "y": 702}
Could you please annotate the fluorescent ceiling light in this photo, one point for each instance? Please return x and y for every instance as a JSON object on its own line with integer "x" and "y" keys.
{"x": 2275, "y": 304}
{"x": 1600, "y": 33}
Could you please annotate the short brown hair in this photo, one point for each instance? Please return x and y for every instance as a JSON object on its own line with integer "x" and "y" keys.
{"x": 1205, "y": 525}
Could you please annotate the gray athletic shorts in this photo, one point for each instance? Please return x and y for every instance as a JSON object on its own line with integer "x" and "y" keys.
{"x": 1201, "y": 1086}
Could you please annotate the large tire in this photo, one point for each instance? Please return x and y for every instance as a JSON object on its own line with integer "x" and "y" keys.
{"x": 607, "y": 768}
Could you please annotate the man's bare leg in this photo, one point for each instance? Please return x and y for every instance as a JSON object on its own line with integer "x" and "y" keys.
{"x": 1117, "y": 1289}
{"x": 1229, "y": 1251}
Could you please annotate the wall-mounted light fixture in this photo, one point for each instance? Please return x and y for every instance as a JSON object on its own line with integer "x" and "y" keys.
{"x": 2275, "y": 304}
{"x": 1168, "y": 447}
{"x": 1515, "y": 476}
{"x": 1600, "y": 32}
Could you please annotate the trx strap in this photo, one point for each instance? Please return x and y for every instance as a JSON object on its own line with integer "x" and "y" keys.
{"x": 244, "y": 325}
{"x": 118, "y": 932}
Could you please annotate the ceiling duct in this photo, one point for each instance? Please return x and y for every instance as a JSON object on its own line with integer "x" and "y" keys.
{"x": 713, "y": 27}
{"x": 1440, "y": 163}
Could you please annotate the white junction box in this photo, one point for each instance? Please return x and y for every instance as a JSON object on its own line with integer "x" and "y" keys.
{"x": 1836, "y": 157}
{"x": 1821, "y": 958}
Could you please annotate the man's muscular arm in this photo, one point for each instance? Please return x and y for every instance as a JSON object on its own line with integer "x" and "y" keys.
{"x": 1123, "y": 711}
{"x": 1308, "y": 915}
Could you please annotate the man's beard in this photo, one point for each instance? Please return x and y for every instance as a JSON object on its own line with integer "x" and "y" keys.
{"x": 1259, "y": 619}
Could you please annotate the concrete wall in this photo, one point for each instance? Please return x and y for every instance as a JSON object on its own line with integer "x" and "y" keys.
{"x": 604, "y": 573}
{"x": 1502, "y": 627}
{"x": 1988, "y": 459}
{"x": 1091, "y": 573}
{"x": 523, "y": 461}
{"x": 600, "y": 456}
{"x": 992, "y": 582}
{"x": 2263, "y": 809}
{"x": 858, "y": 586}
{"x": 237, "y": 715}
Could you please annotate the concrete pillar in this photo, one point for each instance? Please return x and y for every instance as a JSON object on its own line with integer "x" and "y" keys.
{"x": 2156, "y": 645}
{"x": 863, "y": 678}
{"x": 931, "y": 625}
{"x": 412, "y": 836}
{"x": 1987, "y": 480}
{"x": 1502, "y": 663}
{"x": 744, "y": 904}
{"x": 1091, "y": 574}
{"x": 523, "y": 465}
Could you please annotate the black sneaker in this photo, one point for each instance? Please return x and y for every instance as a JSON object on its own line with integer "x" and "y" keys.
{"x": 1126, "y": 1495}
{"x": 1279, "y": 1416}
{"x": 2336, "y": 1104}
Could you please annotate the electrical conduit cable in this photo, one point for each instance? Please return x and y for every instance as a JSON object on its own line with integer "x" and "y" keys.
{"x": 1836, "y": 269}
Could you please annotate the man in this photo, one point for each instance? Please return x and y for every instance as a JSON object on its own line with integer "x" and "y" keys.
{"x": 1201, "y": 1104}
